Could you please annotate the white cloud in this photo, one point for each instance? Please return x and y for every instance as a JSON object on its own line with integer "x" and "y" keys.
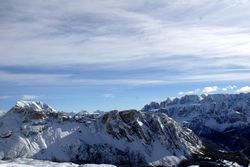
{"x": 196, "y": 91}
{"x": 229, "y": 88}
{"x": 109, "y": 95}
{"x": 210, "y": 89}
{"x": 245, "y": 89}
{"x": 29, "y": 78}
{"x": 181, "y": 93}
{"x": 29, "y": 97}
{"x": 224, "y": 89}
{"x": 133, "y": 82}
{"x": 65, "y": 79}
{"x": 192, "y": 92}
{"x": 206, "y": 90}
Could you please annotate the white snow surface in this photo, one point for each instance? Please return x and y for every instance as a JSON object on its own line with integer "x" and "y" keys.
{"x": 25, "y": 162}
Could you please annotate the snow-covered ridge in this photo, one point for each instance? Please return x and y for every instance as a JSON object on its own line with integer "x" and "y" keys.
{"x": 216, "y": 111}
{"x": 39, "y": 110}
{"x": 199, "y": 99}
{"x": 35, "y": 130}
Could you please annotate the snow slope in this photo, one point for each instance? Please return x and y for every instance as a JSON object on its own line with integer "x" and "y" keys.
{"x": 25, "y": 162}
{"x": 35, "y": 130}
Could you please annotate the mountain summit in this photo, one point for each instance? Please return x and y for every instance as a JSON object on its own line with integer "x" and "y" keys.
{"x": 32, "y": 106}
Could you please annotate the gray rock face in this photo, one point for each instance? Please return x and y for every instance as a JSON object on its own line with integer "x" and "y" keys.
{"x": 118, "y": 137}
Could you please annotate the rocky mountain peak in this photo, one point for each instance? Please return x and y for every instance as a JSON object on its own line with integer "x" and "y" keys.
{"x": 32, "y": 106}
{"x": 32, "y": 110}
{"x": 133, "y": 125}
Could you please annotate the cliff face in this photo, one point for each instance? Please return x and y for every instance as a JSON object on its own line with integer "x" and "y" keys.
{"x": 34, "y": 129}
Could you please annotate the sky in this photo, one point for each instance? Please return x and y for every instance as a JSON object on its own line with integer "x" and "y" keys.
{"x": 115, "y": 54}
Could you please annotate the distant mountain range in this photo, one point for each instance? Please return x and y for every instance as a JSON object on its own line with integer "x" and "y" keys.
{"x": 222, "y": 120}
{"x": 191, "y": 130}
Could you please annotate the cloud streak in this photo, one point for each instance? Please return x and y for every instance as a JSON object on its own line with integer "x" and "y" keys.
{"x": 134, "y": 79}
{"x": 4, "y": 97}
{"x": 109, "y": 95}
{"x": 29, "y": 97}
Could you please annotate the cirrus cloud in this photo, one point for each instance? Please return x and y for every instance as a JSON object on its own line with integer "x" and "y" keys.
{"x": 120, "y": 34}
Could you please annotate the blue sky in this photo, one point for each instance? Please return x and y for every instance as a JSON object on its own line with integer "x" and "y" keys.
{"x": 117, "y": 54}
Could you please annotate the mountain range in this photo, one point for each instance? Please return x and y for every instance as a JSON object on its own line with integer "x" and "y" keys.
{"x": 191, "y": 130}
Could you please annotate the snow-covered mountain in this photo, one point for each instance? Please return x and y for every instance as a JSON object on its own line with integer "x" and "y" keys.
{"x": 35, "y": 130}
{"x": 221, "y": 118}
